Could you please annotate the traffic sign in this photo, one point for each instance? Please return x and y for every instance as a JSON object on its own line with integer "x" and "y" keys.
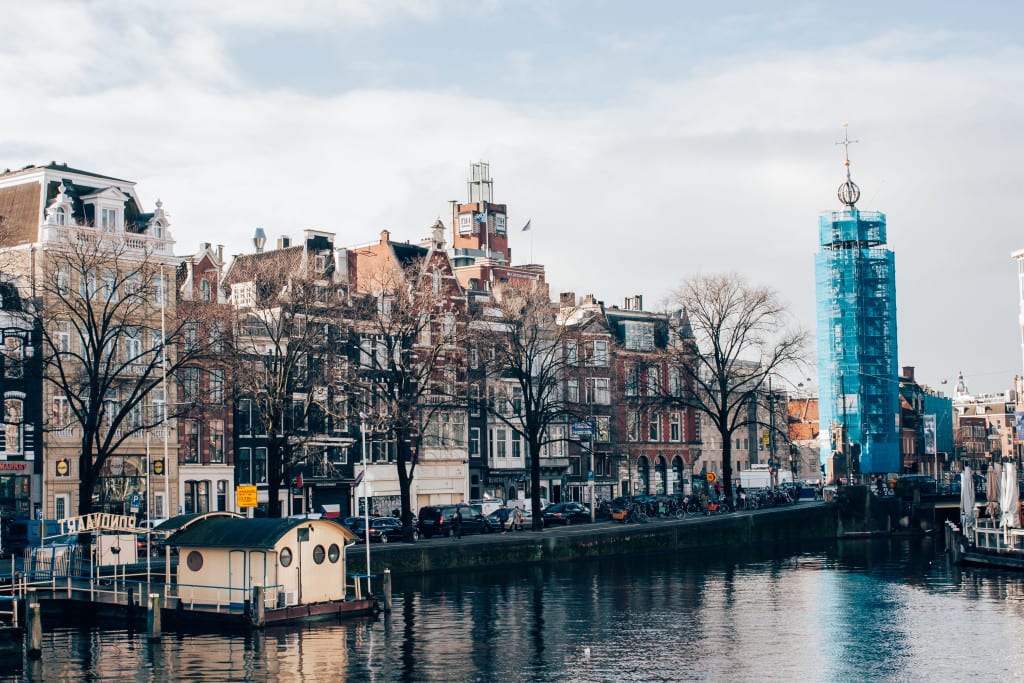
{"x": 582, "y": 429}
{"x": 711, "y": 477}
{"x": 134, "y": 502}
{"x": 590, "y": 475}
{"x": 246, "y": 496}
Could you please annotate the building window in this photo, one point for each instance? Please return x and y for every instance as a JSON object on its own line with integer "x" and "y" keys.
{"x": 243, "y": 465}
{"x": 603, "y": 432}
{"x": 654, "y": 381}
{"x": 517, "y": 444}
{"x": 674, "y": 427}
{"x": 63, "y": 278}
{"x": 61, "y": 412}
{"x": 474, "y": 441}
{"x": 109, "y": 284}
{"x": 108, "y": 219}
{"x": 633, "y": 380}
{"x": 633, "y": 425}
{"x": 191, "y": 445}
{"x": 572, "y": 391}
{"x": 243, "y": 417}
{"x": 217, "y": 441}
{"x": 190, "y": 384}
{"x": 205, "y": 290}
{"x": 222, "y": 495}
{"x": 500, "y": 446}
{"x": 474, "y": 357}
{"x": 13, "y": 416}
{"x": 598, "y": 354}
{"x": 259, "y": 465}
{"x": 572, "y": 353}
{"x": 598, "y": 391}
{"x": 217, "y": 386}
{"x": 14, "y": 351}
{"x": 474, "y": 400}
{"x": 654, "y": 427}
{"x": 639, "y": 336}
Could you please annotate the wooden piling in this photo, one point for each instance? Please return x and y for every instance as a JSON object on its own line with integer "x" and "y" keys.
{"x": 34, "y": 627}
{"x": 153, "y": 617}
{"x": 257, "y": 616}
{"x": 387, "y": 590}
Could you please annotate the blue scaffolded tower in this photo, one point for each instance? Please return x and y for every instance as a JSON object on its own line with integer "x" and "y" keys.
{"x": 857, "y": 361}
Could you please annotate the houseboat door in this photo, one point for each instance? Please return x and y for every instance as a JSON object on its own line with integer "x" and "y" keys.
{"x": 258, "y": 569}
{"x": 238, "y": 578}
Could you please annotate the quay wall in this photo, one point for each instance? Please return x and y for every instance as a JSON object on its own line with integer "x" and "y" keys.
{"x": 802, "y": 522}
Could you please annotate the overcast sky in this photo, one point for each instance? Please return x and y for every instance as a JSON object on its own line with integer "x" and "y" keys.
{"x": 645, "y": 140}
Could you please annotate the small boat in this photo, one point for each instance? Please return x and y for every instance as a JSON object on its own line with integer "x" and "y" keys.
{"x": 989, "y": 533}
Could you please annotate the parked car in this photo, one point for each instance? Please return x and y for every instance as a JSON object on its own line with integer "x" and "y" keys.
{"x": 437, "y": 520}
{"x": 382, "y": 529}
{"x": 566, "y": 514}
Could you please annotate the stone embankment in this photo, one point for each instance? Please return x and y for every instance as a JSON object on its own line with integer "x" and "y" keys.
{"x": 800, "y": 522}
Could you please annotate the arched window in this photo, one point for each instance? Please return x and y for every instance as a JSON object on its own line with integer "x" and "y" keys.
{"x": 59, "y": 216}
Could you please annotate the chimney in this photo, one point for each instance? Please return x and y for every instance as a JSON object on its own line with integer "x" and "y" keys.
{"x": 283, "y": 242}
{"x": 220, "y": 253}
{"x": 567, "y": 298}
{"x": 385, "y": 236}
{"x": 908, "y": 372}
{"x": 634, "y": 303}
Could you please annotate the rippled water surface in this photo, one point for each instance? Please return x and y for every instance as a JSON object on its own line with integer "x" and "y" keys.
{"x": 854, "y": 611}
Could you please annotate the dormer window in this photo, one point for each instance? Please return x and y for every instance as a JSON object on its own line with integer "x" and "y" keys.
{"x": 205, "y": 290}
{"x": 60, "y": 217}
{"x": 108, "y": 219}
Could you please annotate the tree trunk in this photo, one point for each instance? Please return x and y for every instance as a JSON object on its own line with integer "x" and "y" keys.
{"x": 405, "y": 483}
{"x": 275, "y": 472}
{"x": 86, "y": 479}
{"x": 535, "y": 508}
{"x": 727, "y": 464}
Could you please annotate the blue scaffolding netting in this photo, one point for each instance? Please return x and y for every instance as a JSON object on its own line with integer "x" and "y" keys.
{"x": 856, "y": 317}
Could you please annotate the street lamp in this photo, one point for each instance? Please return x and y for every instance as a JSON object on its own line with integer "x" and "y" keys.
{"x": 366, "y": 502}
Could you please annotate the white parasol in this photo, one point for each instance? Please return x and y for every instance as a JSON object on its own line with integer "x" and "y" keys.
{"x": 967, "y": 499}
{"x": 1009, "y": 497}
{"x": 992, "y": 486}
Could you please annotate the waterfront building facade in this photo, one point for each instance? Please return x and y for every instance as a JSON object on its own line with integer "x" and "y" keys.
{"x": 856, "y": 335}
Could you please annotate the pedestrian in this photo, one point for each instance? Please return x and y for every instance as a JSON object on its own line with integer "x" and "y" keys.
{"x": 517, "y": 518}
{"x": 503, "y": 515}
{"x": 741, "y": 496}
{"x": 718, "y": 489}
{"x": 457, "y": 524}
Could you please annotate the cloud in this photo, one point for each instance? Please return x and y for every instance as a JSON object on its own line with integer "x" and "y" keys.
{"x": 722, "y": 166}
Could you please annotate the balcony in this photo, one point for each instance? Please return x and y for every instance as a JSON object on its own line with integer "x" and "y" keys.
{"x": 141, "y": 243}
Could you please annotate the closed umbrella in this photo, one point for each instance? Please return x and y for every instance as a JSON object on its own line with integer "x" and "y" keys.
{"x": 967, "y": 499}
{"x": 992, "y": 491}
{"x": 1009, "y": 501}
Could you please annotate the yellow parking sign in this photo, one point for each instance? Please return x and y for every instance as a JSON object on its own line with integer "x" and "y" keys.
{"x": 246, "y": 496}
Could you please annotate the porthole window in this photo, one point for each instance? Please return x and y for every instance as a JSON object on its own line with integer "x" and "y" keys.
{"x": 318, "y": 554}
{"x": 286, "y": 557}
{"x": 333, "y": 553}
{"x": 195, "y": 560}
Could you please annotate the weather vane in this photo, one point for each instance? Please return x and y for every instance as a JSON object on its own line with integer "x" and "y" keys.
{"x": 848, "y": 192}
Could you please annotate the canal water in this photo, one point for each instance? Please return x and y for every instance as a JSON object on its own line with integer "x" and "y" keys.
{"x": 883, "y": 610}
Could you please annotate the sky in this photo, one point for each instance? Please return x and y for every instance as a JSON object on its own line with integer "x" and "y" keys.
{"x": 645, "y": 141}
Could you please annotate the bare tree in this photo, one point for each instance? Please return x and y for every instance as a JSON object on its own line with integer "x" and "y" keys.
{"x": 287, "y": 349}
{"x": 528, "y": 349}
{"x": 105, "y": 345}
{"x": 741, "y": 334}
{"x": 409, "y": 378}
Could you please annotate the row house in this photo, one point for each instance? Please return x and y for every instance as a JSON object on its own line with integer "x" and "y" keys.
{"x": 659, "y": 441}
{"x": 96, "y": 266}
{"x": 206, "y": 464}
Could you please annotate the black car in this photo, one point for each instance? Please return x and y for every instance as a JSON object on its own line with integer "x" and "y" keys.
{"x": 382, "y": 529}
{"x": 566, "y": 514}
{"x": 437, "y": 520}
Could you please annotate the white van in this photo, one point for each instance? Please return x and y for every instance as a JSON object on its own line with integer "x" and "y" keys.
{"x": 526, "y": 505}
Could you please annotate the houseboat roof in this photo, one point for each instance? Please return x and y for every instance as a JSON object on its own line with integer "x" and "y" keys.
{"x": 180, "y": 522}
{"x": 228, "y": 532}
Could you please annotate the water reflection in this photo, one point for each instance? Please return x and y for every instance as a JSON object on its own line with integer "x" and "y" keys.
{"x": 864, "y": 610}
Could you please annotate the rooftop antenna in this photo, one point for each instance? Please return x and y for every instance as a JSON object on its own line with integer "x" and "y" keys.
{"x": 848, "y": 192}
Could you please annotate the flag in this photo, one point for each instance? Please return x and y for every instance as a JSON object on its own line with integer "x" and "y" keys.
{"x": 359, "y": 478}
{"x": 527, "y": 226}
{"x": 298, "y": 481}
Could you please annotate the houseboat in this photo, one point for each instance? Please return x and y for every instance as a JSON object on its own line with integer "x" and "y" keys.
{"x": 267, "y": 570}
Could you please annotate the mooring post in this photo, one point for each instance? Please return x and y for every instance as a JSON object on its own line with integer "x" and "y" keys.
{"x": 35, "y": 629}
{"x": 387, "y": 590}
{"x": 153, "y": 617}
{"x": 258, "y": 605}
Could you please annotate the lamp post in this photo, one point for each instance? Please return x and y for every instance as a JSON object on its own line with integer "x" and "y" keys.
{"x": 366, "y": 502}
